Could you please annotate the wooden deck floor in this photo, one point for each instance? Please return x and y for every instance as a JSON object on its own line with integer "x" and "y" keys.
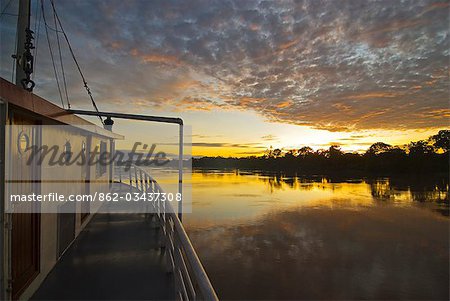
{"x": 116, "y": 256}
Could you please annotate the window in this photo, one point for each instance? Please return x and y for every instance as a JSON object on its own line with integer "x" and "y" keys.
{"x": 102, "y": 159}
{"x": 67, "y": 152}
{"x": 23, "y": 142}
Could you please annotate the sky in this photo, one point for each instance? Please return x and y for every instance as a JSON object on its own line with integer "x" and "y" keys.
{"x": 248, "y": 75}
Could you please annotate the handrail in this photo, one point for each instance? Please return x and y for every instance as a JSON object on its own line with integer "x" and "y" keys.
{"x": 208, "y": 292}
{"x": 128, "y": 116}
{"x": 191, "y": 280}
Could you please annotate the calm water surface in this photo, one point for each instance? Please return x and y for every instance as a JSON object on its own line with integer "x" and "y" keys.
{"x": 263, "y": 236}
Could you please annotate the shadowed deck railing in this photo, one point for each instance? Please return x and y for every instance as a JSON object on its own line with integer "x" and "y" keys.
{"x": 191, "y": 280}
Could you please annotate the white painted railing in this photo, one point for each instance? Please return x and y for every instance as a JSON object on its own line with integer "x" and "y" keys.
{"x": 191, "y": 280}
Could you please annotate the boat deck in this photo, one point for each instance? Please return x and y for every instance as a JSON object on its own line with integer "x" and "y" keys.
{"x": 116, "y": 256}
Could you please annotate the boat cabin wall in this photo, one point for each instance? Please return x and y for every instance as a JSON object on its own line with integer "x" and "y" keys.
{"x": 55, "y": 231}
{"x": 3, "y": 254}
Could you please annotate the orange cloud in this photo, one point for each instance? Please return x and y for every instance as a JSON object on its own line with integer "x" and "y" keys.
{"x": 134, "y": 52}
{"x": 370, "y": 95}
{"x": 434, "y": 6}
{"x": 284, "y": 104}
{"x": 184, "y": 84}
{"x": 395, "y": 26}
{"x": 379, "y": 36}
{"x": 115, "y": 45}
{"x": 254, "y": 27}
{"x": 156, "y": 58}
{"x": 288, "y": 44}
{"x": 440, "y": 4}
{"x": 342, "y": 107}
{"x": 196, "y": 104}
{"x": 245, "y": 101}
{"x": 437, "y": 114}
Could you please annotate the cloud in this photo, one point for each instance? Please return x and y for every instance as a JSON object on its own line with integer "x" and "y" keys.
{"x": 269, "y": 138}
{"x": 155, "y": 57}
{"x": 197, "y": 104}
{"x": 252, "y": 153}
{"x": 200, "y": 136}
{"x": 225, "y": 144}
{"x": 334, "y": 65}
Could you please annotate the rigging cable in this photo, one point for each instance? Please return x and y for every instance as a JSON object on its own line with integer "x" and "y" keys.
{"x": 4, "y": 10}
{"x": 13, "y": 76}
{"x": 37, "y": 30}
{"x": 88, "y": 90}
{"x": 8, "y": 14}
{"x": 60, "y": 58}
{"x": 51, "y": 52}
{"x": 4, "y": 13}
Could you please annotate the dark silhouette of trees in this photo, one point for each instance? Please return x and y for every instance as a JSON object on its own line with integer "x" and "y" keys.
{"x": 424, "y": 156}
{"x": 441, "y": 141}
{"x": 335, "y": 152}
{"x": 379, "y": 148}
{"x": 420, "y": 148}
{"x": 304, "y": 152}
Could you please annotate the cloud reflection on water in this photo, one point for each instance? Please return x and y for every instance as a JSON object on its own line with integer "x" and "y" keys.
{"x": 320, "y": 238}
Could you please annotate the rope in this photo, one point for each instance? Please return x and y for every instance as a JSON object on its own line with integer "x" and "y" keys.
{"x": 51, "y": 52}
{"x": 88, "y": 90}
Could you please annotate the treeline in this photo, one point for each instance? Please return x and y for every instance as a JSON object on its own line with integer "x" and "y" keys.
{"x": 424, "y": 156}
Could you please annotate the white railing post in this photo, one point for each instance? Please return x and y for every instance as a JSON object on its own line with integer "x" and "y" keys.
{"x": 180, "y": 173}
{"x": 192, "y": 282}
{"x": 135, "y": 177}
{"x": 145, "y": 183}
{"x": 131, "y": 182}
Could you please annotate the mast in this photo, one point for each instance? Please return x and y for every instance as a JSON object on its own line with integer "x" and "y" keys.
{"x": 24, "y": 58}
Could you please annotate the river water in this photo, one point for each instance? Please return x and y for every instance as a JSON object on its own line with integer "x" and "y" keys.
{"x": 266, "y": 236}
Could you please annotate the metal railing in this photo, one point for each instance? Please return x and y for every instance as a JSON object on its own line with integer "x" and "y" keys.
{"x": 191, "y": 280}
